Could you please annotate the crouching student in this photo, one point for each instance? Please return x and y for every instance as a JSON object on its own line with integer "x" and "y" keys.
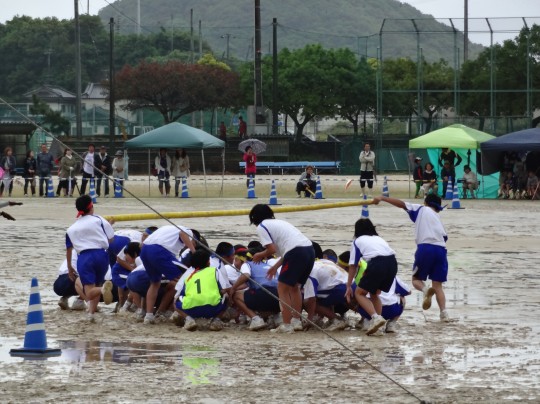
{"x": 393, "y": 304}
{"x": 324, "y": 290}
{"x": 254, "y": 300}
{"x": 159, "y": 254}
{"x": 379, "y": 274}
{"x": 65, "y": 287}
{"x": 125, "y": 263}
{"x": 200, "y": 293}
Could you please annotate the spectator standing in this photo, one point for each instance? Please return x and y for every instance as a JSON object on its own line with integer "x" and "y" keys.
{"x": 223, "y": 131}
{"x": 180, "y": 168}
{"x": 251, "y": 165}
{"x": 29, "y": 173}
{"x": 67, "y": 173}
{"x": 450, "y": 156}
{"x": 242, "y": 128}
{"x": 118, "y": 168}
{"x": 8, "y": 164}
{"x": 163, "y": 167}
{"x": 367, "y": 168}
{"x": 44, "y": 162}
{"x": 447, "y": 173}
{"x": 418, "y": 176}
{"x": 88, "y": 167}
{"x": 104, "y": 162}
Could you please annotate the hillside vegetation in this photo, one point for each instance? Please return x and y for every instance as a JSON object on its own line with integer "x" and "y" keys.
{"x": 350, "y": 24}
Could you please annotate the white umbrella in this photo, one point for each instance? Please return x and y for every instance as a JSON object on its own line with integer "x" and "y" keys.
{"x": 258, "y": 146}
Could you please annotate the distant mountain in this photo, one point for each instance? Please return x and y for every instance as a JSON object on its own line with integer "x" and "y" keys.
{"x": 354, "y": 24}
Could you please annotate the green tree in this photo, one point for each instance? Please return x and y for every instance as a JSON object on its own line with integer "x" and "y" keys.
{"x": 51, "y": 120}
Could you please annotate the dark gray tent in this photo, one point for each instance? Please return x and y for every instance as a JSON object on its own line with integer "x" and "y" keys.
{"x": 493, "y": 150}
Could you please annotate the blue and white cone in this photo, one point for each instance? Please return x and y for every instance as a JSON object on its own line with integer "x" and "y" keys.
{"x": 92, "y": 191}
{"x": 449, "y": 189}
{"x": 455, "y": 200}
{"x": 365, "y": 211}
{"x": 385, "y": 188}
{"x": 50, "y": 188}
{"x": 318, "y": 189}
{"x": 35, "y": 338}
{"x": 273, "y": 195}
{"x": 118, "y": 190}
{"x": 185, "y": 191}
{"x": 251, "y": 189}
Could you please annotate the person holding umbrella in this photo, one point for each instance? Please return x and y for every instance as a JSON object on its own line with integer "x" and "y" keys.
{"x": 250, "y": 159}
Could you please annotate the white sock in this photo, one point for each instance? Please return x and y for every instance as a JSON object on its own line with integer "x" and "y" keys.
{"x": 126, "y": 305}
{"x": 149, "y": 315}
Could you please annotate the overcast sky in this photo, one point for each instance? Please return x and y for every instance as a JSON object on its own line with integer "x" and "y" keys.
{"x": 478, "y": 10}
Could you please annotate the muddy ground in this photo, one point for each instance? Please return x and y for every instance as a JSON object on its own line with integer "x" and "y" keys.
{"x": 490, "y": 353}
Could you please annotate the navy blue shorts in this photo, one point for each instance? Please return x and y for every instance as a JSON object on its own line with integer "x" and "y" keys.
{"x": 159, "y": 261}
{"x": 138, "y": 282}
{"x": 388, "y": 312}
{"x": 119, "y": 276}
{"x": 205, "y": 311}
{"x": 297, "y": 265}
{"x": 379, "y": 274}
{"x": 92, "y": 265}
{"x": 430, "y": 261}
{"x": 333, "y": 296}
{"x": 63, "y": 286}
{"x": 259, "y": 300}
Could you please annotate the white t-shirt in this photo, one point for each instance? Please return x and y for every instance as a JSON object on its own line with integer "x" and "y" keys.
{"x": 428, "y": 226}
{"x": 368, "y": 247}
{"x": 232, "y": 274}
{"x": 327, "y": 275}
{"x": 391, "y": 297}
{"x": 169, "y": 238}
{"x": 220, "y": 266}
{"x": 88, "y": 165}
{"x": 89, "y": 232}
{"x": 134, "y": 236}
{"x": 283, "y": 234}
{"x": 64, "y": 267}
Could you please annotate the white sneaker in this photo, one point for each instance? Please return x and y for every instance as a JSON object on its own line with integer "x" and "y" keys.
{"x": 106, "y": 291}
{"x": 377, "y": 322}
{"x": 378, "y": 333}
{"x": 64, "y": 303}
{"x": 190, "y": 324}
{"x": 444, "y": 316}
{"x": 297, "y": 324}
{"x": 336, "y": 324}
{"x": 149, "y": 319}
{"x": 90, "y": 318}
{"x": 428, "y": 294}
{"x": 391, "y": 326}
{"x": 139, "y": 315}
{"x": 215, "y": 324}
{"x": 78, "y": 305}
{"x": 257, "y": 323}
{"x": 284, "y": 329}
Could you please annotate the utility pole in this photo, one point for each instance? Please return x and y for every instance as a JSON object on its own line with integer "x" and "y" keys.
{"x": 200, "y": 57}
{"x": 192, "y": 58}
{"x": 48, "y": 52}
{"x": 275, "y": 127}
{"x": 138, "y": 17}
{"x": 466, "y": 32}
{"x": 259, "y": 116}
{"x": 112, "y": 123}
{"x": 228, "y": 36}
{"x": 172, "y": 33}
{"x": 78, "y": 109}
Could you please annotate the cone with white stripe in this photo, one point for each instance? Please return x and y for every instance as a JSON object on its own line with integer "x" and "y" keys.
{"x": 50, "y": 188}
{"x": 455, "y": 200}
{"x": 92, "y": 191}
{"x": 35, "y": 339}
{"x": 385, "y": 191}
{"x": 449, "y": 189}
{"x": 185, "y": 191}
{"x": 273, "y": 195}
{"x": 318, "y": 189}
{"x": 365, "y": 211}
{"x": 251, "y": 189}
{"x": 118, "y": 192}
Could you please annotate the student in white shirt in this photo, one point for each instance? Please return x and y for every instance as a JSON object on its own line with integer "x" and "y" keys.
{"x": 297, "y": 257}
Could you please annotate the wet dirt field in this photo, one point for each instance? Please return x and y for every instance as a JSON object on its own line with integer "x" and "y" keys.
{"x": 490, "y": 353}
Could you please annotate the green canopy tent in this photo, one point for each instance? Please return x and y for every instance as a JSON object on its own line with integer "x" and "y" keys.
{"x": 175, "y": 135}
{"x": 461, "y": 139}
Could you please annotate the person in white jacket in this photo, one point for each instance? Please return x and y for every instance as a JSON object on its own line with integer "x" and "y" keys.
{"x": 163, "y": 167}
{"x": 367, "y": 168}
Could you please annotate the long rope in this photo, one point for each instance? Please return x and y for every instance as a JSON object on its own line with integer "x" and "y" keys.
{"x": 208, "y": 249}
